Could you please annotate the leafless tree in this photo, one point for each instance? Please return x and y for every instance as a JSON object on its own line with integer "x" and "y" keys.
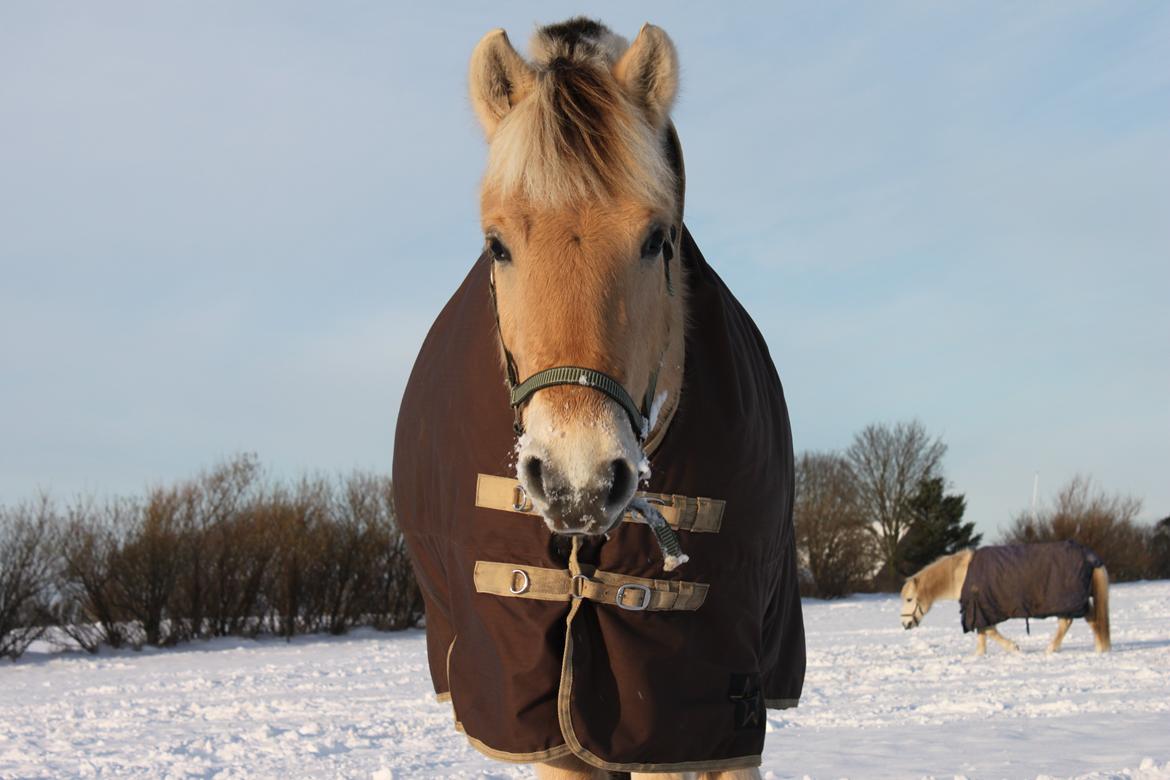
{"x": 831, "y": 529}
{"x": 888, "y": 464}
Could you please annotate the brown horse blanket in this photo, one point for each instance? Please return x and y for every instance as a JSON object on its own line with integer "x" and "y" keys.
{"x": 1049, "y": 579}
{"x": 534, "y": 678}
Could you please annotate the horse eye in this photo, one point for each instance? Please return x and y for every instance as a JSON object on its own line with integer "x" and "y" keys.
{"x": 654, "y": 243}
{"x": 499, "y": 252}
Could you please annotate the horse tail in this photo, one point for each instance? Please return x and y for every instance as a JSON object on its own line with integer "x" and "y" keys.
{"x": 1100, "y": 613}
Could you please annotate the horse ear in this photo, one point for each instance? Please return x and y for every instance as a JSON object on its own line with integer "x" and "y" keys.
{"x": 649, "y": 71}
{"x": 499, "y": 78}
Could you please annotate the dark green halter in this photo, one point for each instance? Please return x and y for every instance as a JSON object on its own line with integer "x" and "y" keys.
{"x": 588, "y": 377}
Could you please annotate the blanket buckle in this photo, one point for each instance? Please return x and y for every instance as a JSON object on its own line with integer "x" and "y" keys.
{"x": 641, "y": 605}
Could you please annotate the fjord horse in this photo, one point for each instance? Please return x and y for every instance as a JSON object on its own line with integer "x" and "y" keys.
{"x": 627, "y": 366}
{"x": 1055, "y": 579}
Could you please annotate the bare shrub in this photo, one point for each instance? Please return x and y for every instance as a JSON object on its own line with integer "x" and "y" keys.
{"x": 1106, "y": 523}
{"x": 359, "y": 532}
{"x": 223, "y": 560}
{"x": 26, "y": 537}
{"x": 295, "y": 518}
{"x": 392, "y": 598}
{"x": 401, "y": 592}
{"x": 240, "y": 559}
{"x": 223, "y": 554}
{"x": 145, "y": 567}
{"x": 86, "y": 608}
{"x": 831, "y": 529}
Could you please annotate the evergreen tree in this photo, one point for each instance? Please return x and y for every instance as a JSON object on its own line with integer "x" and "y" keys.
{"x": 937, "y": 527}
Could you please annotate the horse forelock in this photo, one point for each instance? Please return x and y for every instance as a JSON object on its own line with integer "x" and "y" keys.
{"x": 578, "y": 136}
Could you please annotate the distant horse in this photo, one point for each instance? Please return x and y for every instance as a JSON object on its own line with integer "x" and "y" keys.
{"x": 594, "y": 378}
{"x": 1052, "y": 579}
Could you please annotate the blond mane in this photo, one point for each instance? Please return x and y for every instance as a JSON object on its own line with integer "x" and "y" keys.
{"x": 577, "y": 135}
{"x": 943, "y": 578}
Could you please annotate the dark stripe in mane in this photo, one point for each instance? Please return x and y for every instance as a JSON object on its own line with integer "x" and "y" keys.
{"x": 574, "y": 30}
{"x": 583, "y": 103}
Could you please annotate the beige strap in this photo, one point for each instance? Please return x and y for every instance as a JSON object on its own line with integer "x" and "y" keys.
{"x": 683, "y": 513}
{"x": 632, "y": 593}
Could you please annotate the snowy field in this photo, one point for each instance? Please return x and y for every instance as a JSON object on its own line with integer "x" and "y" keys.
{"x": 878, "y": 702}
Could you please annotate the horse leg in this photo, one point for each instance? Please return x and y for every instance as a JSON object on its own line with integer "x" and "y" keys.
{"x": 1061, "y": 630}
{"x": 981, "y": 642}
{"x": 1003, "y": 641}
{"x": 569, "y": 768}
{"x": 751, "y": 773}
{"x": 734, "y": 774}
{"x": 1098, "y": 617}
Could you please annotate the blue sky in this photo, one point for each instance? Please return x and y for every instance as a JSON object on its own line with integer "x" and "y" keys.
{"x": 227, "y": 227}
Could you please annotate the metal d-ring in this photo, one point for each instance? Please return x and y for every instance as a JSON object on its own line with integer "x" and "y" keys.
{"x": 520, "y": 500}
{"x": 574, "y": 591}
{"x": 524, "y": 585}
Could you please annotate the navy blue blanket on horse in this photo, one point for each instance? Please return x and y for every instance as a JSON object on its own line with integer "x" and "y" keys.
{"x": 1049, "y": 579}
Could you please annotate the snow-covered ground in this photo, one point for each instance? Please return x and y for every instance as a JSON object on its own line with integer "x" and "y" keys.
{"x": 878, "y": 702}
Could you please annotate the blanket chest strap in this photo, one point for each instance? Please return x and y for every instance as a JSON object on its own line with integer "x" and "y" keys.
{"x": 631, "y": 593}
{"x": 683, "y": 513}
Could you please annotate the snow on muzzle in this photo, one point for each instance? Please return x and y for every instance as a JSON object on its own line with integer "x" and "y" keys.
{"x": 578, "y": 460}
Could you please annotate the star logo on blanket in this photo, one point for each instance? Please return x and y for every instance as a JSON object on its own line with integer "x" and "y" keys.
{"x": 749, "y": 703}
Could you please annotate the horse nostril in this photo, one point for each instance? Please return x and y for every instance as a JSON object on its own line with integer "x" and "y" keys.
{"x": 621, "y": 485}
{"x": 534, "y": 471}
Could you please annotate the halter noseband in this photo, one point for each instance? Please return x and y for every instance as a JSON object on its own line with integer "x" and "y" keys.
{"x": 915, "y": 615}
{"x": 589, "y": 377}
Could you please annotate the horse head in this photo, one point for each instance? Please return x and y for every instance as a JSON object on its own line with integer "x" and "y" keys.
{"x": 913, "y": 608}
{"x": 580, "y": 208}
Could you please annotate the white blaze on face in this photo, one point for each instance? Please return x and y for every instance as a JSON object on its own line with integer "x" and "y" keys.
{"x": 576, "y": 452}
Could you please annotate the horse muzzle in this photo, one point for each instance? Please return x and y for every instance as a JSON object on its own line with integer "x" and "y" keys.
{"x": 588, "y": 507}
{"x": 912, "y": 619}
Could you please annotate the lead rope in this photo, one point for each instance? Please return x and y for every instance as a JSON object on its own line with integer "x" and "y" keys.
{"x": 672, "y": 554}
